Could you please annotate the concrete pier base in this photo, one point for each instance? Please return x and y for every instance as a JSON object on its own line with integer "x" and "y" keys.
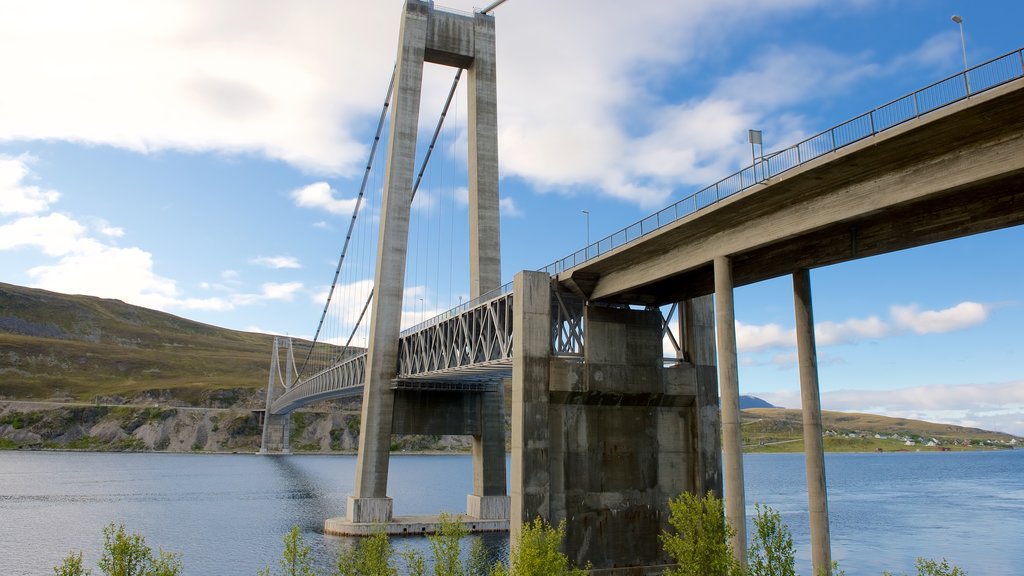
{"x": 407, "y": 526}
{"x": 487, "y": 507}
{"x": 369, "y": 510}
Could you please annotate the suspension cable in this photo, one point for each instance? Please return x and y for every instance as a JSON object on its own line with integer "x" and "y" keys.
{"x": 355, "y": 214}
{"x": 433, "y": 141}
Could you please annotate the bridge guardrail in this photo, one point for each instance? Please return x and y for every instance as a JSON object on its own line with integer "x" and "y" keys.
{"x": 972, "y": 81}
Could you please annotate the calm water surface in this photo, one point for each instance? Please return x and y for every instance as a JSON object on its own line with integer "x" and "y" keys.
{"x": 227, "y": 513}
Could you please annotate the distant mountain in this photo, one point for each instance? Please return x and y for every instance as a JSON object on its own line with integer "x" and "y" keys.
{"x": 747, "y": 402}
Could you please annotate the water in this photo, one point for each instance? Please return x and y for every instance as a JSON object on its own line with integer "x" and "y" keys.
{"x": 227, "y": 513}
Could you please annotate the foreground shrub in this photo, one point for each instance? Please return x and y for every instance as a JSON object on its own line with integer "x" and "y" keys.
{"x": 537, "y": 553}
{"x": 926, "y": 567}
{"x": 700, "y": 544}
{"x": 372, "y": 556}
{"x": 124, "y": 555}
{"x": 296, "y": 558}
{"x": 771, "y": 550}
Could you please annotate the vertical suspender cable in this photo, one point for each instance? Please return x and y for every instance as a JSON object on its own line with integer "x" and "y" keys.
{"x": 433, "y": 141}
{"x": 355, "y": 213}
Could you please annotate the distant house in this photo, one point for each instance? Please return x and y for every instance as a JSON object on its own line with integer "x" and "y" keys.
{"x": 910, "y": 443}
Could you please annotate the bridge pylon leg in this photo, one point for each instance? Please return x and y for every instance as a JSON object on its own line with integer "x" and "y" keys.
{"x": 489, "y": 500}
{"x": 275, "y": 437}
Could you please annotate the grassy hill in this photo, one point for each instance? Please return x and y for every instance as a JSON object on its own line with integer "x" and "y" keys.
{"x": 781, "y": 430}
{"x": 57, "y": 346}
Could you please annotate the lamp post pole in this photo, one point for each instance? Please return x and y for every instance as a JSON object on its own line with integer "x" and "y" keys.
{"x": 963, "y": 46}
{"x": 587, "y": 214}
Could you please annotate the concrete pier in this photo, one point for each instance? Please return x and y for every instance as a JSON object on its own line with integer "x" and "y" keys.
{"x": 729, "y": 384}
{"x": 605, "y": 441}
{"x": 810, "y": 401}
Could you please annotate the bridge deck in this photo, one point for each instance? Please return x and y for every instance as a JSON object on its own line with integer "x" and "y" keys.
{"x": 954, "y": 172}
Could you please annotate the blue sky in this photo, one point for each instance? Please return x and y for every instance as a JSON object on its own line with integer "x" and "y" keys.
{"x": 202, "y": 158}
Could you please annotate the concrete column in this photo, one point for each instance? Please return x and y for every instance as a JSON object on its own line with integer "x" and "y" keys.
{"x": 389, "y": 281}
{"x": 484, "y": 230}
{"x": 814, "y": 451}
{"x": 489, "y": 500}
{"x": 706, "y": 427}
{"x": 531, "y": 442}
{"x": 732, "y": 435}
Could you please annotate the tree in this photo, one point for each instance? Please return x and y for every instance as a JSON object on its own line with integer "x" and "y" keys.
{"x": 771, "y": 551}
{"x": 295, "y": 559}
{"x": 72, "y": 566}
{"x": 370, "y": 557}
{"x": 700, "y": 543}
{"x": 446, "y": 546}
{"x": 537, "y": 553}
{"x": 128, "y": 555}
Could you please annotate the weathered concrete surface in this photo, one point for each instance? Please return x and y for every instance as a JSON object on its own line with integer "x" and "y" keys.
{"x": 954, "y": 172}
{"x": 605, "y": 442}
{"x": 408, "y": 526}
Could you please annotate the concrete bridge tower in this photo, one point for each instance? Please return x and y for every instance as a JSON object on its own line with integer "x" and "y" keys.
{"x": 462, "y": 41}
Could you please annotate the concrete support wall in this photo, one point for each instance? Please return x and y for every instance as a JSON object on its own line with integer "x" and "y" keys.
{"x": 814, "y": 451}
{"x": 605, "y": 443}
{"x": 732, "y": 435}
{"x": 530, "y": 491}
{"x": 705, "y": 425}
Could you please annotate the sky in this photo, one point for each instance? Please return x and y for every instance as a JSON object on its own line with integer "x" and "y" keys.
{"x": 203, "y": 158}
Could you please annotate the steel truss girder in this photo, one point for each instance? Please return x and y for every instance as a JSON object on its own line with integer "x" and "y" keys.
{"x": 461, "y": 346}
{"x": 342, "y": 379}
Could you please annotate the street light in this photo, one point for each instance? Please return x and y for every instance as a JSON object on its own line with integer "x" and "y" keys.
{"x": 963, "y": 43}
{"x": 587, "y": 213}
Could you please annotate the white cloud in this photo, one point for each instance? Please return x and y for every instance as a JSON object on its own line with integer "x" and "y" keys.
{"x": 963, "y": 315}
{"x": 93, "y": 268}
{"x": 279, "y": 80}
{"x": 193, "y": 75}
{"x": 55, "y": 234}
{"x": 752, "y": 337}
{"x": 277, "y": 262}
{"x": 17, "y": 197}
{"x": 757, "y": 338}
{"x": 112, "y": 231}
{"x": 509, "y": 208}
{"x": 320, "y": 195}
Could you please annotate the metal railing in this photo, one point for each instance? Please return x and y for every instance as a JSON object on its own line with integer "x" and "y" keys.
{"x": 930, "y": 98}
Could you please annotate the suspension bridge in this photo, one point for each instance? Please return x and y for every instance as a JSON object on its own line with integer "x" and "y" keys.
{"x": 605, "y": 428}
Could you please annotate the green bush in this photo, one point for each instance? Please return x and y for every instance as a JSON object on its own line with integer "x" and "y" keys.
{"x": 296, "y": 558}
{"x": 123, "y": 555}
{"x": 373, "y": 556}
{"x": 72, "y": 566}
{"x": 926, "y": 567}
{"x": 771, "y": 551}
{"x": 538, "y": 553}
{"x": 700, "y": 542}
